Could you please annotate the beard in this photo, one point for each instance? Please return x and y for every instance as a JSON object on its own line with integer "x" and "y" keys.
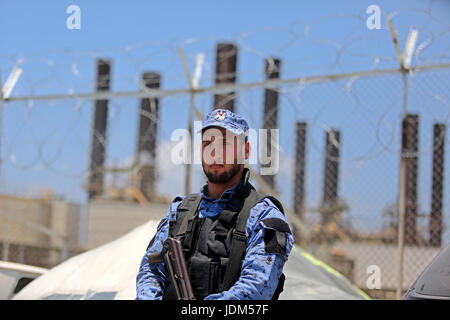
{"x": 223, "y": 177}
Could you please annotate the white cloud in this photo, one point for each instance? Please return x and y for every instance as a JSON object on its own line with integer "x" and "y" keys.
{"x": 170, "y": 176}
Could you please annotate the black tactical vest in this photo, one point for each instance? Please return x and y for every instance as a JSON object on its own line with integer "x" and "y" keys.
{"x": 214, "y": 247}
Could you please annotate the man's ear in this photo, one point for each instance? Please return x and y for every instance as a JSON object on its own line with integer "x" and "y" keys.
{"x": 247, "y": 150}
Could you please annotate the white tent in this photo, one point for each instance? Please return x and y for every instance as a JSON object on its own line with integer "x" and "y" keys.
{"x": 109, "y": 272}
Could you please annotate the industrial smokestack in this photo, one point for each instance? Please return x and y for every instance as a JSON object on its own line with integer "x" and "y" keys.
{"x": 270, "y": 115}
{"x": 147, "y": 137}
{"x": 437, "y": 192}
{"x": 226, "y": 64}
{"x": 410, "y": 151}
{"x": 98, "y": 144}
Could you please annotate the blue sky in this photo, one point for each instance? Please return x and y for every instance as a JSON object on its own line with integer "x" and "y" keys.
{"x": 47, "y": 144}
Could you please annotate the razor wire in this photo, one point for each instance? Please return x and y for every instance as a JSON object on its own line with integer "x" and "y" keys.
{"x": 347, "y": 88}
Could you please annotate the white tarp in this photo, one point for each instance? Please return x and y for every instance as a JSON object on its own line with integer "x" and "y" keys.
{"x": 109, "y": 272}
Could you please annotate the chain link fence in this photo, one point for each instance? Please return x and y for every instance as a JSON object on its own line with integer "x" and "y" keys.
{"x": 361, "y": 140}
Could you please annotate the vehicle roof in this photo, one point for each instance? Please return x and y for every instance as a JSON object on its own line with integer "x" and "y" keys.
{"x": 19, "y": 267}
{"x": 435, "y": 279}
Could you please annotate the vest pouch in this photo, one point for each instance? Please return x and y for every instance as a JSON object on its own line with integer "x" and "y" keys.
{"x": 223, "y": 268}
{"x": 214, "y": 269}
{"x": 189, "y": 238}
{"x": 199, "y": 271}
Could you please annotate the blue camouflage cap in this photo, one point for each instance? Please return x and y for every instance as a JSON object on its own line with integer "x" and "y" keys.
{"x": 226, "y": 119}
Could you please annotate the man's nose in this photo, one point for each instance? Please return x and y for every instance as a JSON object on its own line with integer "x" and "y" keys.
{"x": 218, "y": 153}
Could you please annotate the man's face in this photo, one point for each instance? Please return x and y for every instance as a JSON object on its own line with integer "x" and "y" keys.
{"x": 223, "y": 154}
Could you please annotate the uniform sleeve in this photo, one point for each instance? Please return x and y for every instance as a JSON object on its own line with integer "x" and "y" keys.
{"x": 151, "y": 278}
{"x": 269, "y": 243}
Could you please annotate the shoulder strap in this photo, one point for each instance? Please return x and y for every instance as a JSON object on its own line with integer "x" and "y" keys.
{"x": 239, "y": 241}
{"x": 276, "y": 203}
{"x": 189, "y": 204}
{"x": 279, "y": 288}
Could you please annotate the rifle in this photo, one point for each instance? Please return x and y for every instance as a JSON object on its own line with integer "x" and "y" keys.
{"x": 173, "y": 257}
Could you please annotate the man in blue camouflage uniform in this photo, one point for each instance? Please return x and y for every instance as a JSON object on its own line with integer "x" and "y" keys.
{"x": 268, "y": 236}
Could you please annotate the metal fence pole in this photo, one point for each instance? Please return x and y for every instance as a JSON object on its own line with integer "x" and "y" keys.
{"x": 401, "y": 226}
{"x": 403, "y": 164}
{"x": 187, "y": 173}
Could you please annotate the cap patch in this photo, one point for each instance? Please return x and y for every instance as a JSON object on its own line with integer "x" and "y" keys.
{"x": 220, "y": 115}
